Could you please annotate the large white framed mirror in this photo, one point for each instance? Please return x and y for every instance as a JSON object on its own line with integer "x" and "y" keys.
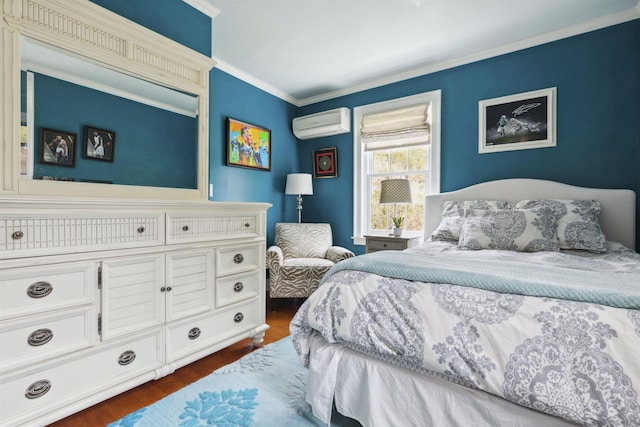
{"x": 151, "y": 92}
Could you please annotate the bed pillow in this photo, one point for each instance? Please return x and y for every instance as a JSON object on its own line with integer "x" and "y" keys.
{"x": 578, "y": 222}
{"x": 522, "y": 230}
{"x": 452, "y": 212}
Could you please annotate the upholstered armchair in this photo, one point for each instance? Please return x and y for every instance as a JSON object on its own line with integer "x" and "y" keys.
{"x": 301, "y": 255}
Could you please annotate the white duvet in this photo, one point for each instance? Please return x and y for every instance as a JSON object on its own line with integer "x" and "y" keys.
{"x": 575, "y": 360}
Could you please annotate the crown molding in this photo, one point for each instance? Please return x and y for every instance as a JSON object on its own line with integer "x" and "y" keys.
{"x": 247, "y": 78}
{"x": 207, "y": 8}
{"x": 596, "y": 24}
{"x": 204, "y": 6}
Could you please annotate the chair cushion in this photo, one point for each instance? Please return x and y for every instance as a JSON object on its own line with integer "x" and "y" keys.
{"x": 307, "y": 262}
{"x": 306, "y": 240}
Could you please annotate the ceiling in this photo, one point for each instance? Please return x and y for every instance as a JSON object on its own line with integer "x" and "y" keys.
{"x": 306, "y": 51}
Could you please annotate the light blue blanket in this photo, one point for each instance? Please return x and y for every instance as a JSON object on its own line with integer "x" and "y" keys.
{"x": 613, "y": 289}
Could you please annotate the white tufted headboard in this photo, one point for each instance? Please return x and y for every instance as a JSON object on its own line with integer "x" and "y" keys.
{"x": 617, "y": 217}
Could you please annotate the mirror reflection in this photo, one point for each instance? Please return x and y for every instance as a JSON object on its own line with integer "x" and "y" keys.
{"x": 85, "y": 122}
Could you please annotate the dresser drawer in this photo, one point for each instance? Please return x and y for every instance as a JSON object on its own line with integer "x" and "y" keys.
{"x": 186, "y": 337}
{"x": 39, "y": 339}
{"x": 37, "y": 392}
{"x": 382, "y": 245}
{"x": 182, "y": 228}
{"x": 238, "y": 259}
{"x": 31, "y": 234}
{"x": 26, "y": 291}
{"x": 238, "y": 287}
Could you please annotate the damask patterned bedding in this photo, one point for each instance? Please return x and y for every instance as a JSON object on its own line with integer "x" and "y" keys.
{"x": 569, "y": 354}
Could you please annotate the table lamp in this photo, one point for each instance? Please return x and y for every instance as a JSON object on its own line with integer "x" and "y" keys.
{"x": 395, "y": 191}
{"x": 299, "y": 184}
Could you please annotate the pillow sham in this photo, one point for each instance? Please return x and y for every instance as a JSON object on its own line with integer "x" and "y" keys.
{"x": 578, "y": 224}
{"x": 452, "y": 212}
{"x": 521, "y": 230}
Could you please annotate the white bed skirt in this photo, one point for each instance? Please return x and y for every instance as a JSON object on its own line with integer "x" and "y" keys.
{"x": 378, "y": 394}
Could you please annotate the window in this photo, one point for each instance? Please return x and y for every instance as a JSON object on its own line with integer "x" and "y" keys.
{"x": 402, "y": 156}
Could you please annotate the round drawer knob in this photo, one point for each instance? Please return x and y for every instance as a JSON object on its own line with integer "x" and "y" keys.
{"x": 238, "y": 286}
{"x": 169, "y": 288}
{"x": 185, "y": 228}
{"x": 247, "y": 225}
{"x": 163, "y": 289}
{"x": 141, "y": 229}
{"x": 384, "y": 245}
{"x": 238, "y": 317}
{"x": 39, "y": 290}
{"x": 38, "y": 389}
{"x": 17, "y": 235}
{"x": 127, "y": 357}
{"x": 238, "y": 258}
{"x": 194, "y": 333}
{"x": 40, "y": 337}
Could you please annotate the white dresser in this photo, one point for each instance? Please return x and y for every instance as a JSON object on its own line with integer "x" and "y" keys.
{"x": 97, "y": 297}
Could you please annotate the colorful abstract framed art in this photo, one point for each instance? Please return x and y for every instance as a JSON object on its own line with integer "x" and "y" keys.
{"x": 248, "y": 146}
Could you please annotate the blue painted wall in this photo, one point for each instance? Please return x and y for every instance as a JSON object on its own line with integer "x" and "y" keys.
{"x": 596, "y": 75}
{"x": 231, "y": 97}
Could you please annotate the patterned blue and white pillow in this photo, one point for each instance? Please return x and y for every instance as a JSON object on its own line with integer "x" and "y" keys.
{"x": 522, "y": 230}
{"x": 578, "y": 224}
{"x": 452, "y": 212}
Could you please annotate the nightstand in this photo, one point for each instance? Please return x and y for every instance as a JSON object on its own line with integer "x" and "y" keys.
{"x": 390, "y": 243}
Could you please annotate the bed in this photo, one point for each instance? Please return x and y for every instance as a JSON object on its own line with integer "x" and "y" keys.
{"x": 539, "y": 327}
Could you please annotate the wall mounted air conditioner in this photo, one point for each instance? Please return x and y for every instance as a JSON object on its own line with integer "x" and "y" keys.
{"x": 326, "y": 123}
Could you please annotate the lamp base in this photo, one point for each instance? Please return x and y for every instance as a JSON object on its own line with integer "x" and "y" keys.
{"x": 299, "y": 198}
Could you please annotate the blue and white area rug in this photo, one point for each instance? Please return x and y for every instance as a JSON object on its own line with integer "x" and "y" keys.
{"x": 264, "y": 388}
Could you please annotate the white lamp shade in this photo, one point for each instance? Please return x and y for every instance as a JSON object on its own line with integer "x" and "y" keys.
{"x": 299, "y": 183}
{"x": 395, "y": 191}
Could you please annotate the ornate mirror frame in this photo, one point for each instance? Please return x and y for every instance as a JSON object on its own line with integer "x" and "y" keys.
{"x": 127, "y": 47}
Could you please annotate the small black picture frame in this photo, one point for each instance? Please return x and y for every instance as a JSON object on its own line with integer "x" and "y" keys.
{"x": 99, "y": 144}
{"x": 57, "y": 147}
{"x": 325, "y": 163}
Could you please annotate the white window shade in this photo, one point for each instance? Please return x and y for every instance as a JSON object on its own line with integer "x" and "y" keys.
{"x": 401, "y": 127}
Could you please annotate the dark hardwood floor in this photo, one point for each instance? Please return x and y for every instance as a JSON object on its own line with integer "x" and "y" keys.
{"x": 117, "y": 407}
